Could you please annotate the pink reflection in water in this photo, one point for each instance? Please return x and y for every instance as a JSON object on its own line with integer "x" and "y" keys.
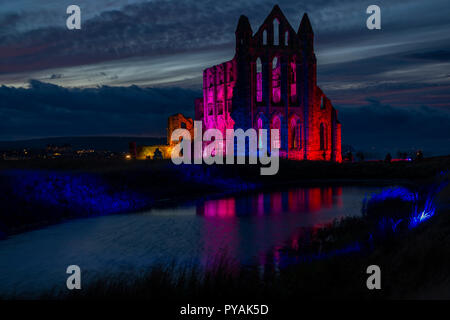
{"x": 260, "y": 204}
{"x": 295, "y": 201}
{"x": 276, "y": 202}
{"x": 327, "y": 197}
{"x": 222, "y": 231}
{"x": 224, "y": 208}
{"x": 314, "y": 199}
{"x": 337, "y": 195}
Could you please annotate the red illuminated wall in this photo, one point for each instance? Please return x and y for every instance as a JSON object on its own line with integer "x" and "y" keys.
{"x": 272, "y": 80}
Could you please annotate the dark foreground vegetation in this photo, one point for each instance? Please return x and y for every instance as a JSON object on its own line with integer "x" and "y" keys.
{"x": 42, "y": 192}
{"x": 405, "y": 232}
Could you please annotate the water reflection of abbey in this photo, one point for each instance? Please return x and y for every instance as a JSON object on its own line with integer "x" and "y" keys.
{"x": 259, "y": 225}
{"x": 295, "y": 201}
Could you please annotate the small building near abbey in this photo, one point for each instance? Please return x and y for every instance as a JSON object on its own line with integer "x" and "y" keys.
{"x": 174, "y": 122}
{"x": 271, "y": 83}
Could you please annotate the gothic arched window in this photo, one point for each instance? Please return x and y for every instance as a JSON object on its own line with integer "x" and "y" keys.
{"x": 276, "y": 80}
{"x": 322, "y": 103}
{"x": 322, "y": 137}
{"x": 276, "y": 32}
{"x": 292, "y": 134}
{"x": 295, "y": 134}
{"x": 293, "y": 80}
{"x": 260, "y": 138}
{"x": 264, "y": 37}
{"x": 298, "y": 135}
{"x": 258, "y": 80}
{"x": 276, "y": 124}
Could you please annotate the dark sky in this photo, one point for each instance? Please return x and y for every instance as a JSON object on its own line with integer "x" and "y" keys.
{"x": 135, "y": 62}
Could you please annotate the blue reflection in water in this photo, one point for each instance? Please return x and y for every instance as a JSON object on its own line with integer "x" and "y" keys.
{"x": 401, "y": 193}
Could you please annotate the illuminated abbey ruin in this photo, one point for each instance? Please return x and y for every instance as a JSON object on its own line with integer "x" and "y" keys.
{"x": 271, "y": 84}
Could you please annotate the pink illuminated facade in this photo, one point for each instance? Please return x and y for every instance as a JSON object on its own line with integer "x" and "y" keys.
{"x": 271, "y": 83}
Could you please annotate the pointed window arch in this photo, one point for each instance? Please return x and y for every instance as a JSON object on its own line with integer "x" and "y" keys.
{"x": 276, "y": 124}
{"x": 293, "y": 79}
{"x": 322, "y": 103}
{"x": 260, "y": 138}
{"x": 322, "y": 137}
{"x": 298, "y": 135}
{"x": 275, "y": 63}
{"x": 292, "y": 134}
{"x": 258, "y": 65}
{"x": 276, "y": 32}
{"x": 258, "y": 80}
{"x": 276, "y": 80}
{"x": 295, "y": 134}
{"x": 264, "y": 37}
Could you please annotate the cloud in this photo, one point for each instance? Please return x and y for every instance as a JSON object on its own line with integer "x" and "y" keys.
{"x": 382, "y": 128}
{"x": 438, "y": 55}
{"x": 36, "y": 39}
{"x": 44, "y": 110}
{"x": 179, "y": 69}
{"x": 393, "y": 78}
{"x": 144, "y": 29}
